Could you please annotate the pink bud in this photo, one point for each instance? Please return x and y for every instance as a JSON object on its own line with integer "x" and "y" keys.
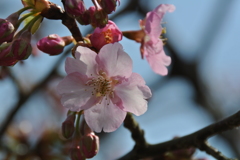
{"x": 109, "y": 34}
{"x": 109, "y": 5}
{"x": 98, "y": 17}
{"x": 90, "y": 145}
{"x": 53, "y": 44}
{"x": 68, "y": 126}
{"x": 75, "y": 7}
{"x": 21, "y": 47}
{"x": 6, "y": 31}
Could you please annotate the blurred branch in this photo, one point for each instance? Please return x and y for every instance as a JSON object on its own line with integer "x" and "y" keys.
{"x": 24, "y": 97}
{"x": 197, "y": 139}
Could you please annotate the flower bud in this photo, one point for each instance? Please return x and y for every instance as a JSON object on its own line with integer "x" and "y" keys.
{"x": 98, "y": 17}
{"x": 6, "y": 31}
{"x": 21, "y": 47}
{"x": 90, "y": 145}
{"x": 109, "y": 34}
{"x": 109, "y": 5}
{"x": 68, "y": 126}
{"x": 75, "y": 7}
{"x": 53, "y": 44}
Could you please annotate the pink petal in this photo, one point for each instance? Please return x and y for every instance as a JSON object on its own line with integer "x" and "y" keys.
{"x": 153, "y": 25}
{"x": 114, "y": 61}
{"x": 74, "y": 65}
{"x": 153, "y": 20}
{"x": 75, "y": 94}
{"x": 163, "y": 8}
{"x": 88, "y": 57}
{"x": 104, "y": 117}
{"x": 158, "y": 62}
{"x": 132, "y": 94}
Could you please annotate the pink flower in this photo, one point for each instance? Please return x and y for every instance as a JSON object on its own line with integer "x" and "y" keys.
{"x": 104, "y": 86}
{"x": 152, "y": 46}
{"x": 109, "y": 34}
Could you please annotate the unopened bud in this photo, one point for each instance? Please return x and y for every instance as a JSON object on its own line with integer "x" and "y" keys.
{"x": 75, "y": 7}
{"x": 90, "y": 145}
{"x": 53, "y": 44}
{"x": 98, "y": 17}
{"x": 109, "y": 34}
{"x": 6, "y": 31}
{"x": 21, "y": 47}
{"x": 68, "y": 126}
{"x": 109, "y": 5}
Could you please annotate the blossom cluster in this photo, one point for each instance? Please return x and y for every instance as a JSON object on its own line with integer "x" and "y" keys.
{"x": 100, "y": 84}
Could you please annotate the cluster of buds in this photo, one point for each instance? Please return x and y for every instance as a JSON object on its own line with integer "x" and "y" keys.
{"x": 96, "y": 15}
{"x": 13, "y": 48}
{"x": 16, "y": 47}
{"x": 85, "y": 144}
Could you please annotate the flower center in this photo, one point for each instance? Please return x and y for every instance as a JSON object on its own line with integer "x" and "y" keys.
{"x": 102, "y": 86}
{"x": 108, "y": 36}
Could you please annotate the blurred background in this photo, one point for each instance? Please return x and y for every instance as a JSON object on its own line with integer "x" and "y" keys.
{"x": 202, "y": 85}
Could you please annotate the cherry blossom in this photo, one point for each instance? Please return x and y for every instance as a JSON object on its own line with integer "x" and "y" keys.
{"x": 152, "y": 45}
{"x": 104, "y": 86}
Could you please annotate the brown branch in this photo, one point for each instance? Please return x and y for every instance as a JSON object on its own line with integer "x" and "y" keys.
{"x": 55, "y": 13}
{"x": 196, "y": 139}
{"x": 136, "y": 131}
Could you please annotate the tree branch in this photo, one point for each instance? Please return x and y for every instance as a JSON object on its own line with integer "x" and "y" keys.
{"x": 55, "y": 13}
{"x": 137, "y": 132}
{"x": 196, "y": 139}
